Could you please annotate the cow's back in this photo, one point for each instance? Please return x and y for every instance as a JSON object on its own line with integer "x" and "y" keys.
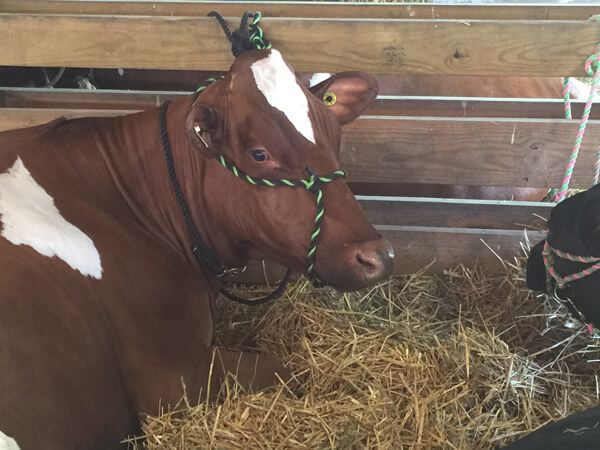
{"x": 79, "y": 326}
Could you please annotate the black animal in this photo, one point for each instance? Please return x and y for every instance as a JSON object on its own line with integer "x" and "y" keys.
{"x": 567, "y": 263}
{"x": 580, "y": 431}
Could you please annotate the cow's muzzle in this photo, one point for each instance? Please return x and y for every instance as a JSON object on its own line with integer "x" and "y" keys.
{"x": 359, "y": 265}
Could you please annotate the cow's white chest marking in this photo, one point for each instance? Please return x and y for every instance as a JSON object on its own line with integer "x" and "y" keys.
{"x": 279, "y": 86}
{"x": 28, "y": 216}
{"x": 7, "y": 443}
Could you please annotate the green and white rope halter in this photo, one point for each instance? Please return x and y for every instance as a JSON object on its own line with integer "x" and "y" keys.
{"x": 257, "y": 37}
{"x": 314, "y": 184}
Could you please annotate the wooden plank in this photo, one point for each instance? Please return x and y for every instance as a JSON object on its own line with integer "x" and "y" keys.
{"x": 12, "y": 118}
{"x": 475, "y": 107}
{"x": 41, "y": 98}
{"x": 417, "y": 247}
{"x": 382, "y": 106}
{"x": 518, "y": 48}
{"x": 474, "y": 151}
{"x": 304, "y": 9}
{"x": 455, "y": 213}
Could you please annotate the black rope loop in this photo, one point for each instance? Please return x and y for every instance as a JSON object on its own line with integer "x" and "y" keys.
{"x": 317, "y": 183}
{"x": 199, "y": 247}
{"x": 261, "y": 300}
{"x": 221, "y": 21}
{"x": 203, "y": 253}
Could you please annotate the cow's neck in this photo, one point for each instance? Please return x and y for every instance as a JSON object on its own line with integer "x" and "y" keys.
{"x": 140, "y": 173}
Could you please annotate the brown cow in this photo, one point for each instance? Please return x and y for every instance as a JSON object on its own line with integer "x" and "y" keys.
{"x": 105, "y": 312}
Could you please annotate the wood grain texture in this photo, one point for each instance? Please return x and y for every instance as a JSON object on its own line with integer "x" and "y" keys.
{"x": 395, "y": 46}
{"x": 382, "y": 106}
{"x": 486, "y": 152}
{"x": 469, "y": 151}
{"x": 440, "y": 248}
{"x": 475, "y": 107}
{"x": 303, "y": 9}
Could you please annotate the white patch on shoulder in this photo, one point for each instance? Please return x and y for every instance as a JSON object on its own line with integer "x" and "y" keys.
{"x": 30, "y": 218}
{"x": 281, "y": 89}
{"x": 8, "y": 443}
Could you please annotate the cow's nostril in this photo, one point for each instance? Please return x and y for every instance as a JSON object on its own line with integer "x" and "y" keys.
{"x": 369, "y": 261}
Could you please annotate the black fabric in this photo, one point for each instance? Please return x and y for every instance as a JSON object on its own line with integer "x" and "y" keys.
{"x": 204, "y": 254}
{"x": 580, "y": 431}
{"x": 536, "y": 271}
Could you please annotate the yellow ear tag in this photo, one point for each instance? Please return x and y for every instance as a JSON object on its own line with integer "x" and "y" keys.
{"x": 329, "y": 99}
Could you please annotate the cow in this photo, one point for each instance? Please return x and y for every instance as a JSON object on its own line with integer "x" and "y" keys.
{"x": 106, "y": 308}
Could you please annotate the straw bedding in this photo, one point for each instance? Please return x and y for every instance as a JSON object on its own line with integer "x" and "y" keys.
{"x": 456, "y": 361}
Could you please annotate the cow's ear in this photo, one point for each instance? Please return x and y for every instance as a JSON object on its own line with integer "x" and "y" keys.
{"x": 347, "y": 94}
{"x": 202, "y": 126}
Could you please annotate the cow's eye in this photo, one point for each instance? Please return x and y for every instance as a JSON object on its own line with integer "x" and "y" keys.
{"x": 259, "y": 155}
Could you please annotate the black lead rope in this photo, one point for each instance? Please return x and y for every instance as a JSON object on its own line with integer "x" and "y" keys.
{"x": 259, "y": 301}
{"x": 204, "y": 254}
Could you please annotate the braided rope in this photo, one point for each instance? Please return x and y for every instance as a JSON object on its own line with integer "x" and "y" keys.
{"x": 593, "y": 60}
{"x": 257, "y": 38}
{"x": 314, "y": 185}
{"x": 549, "y": 253}
{"x": 567, "y": 98}
{"x": 201, "y": 250}
{"x": 199, "y": 247}
{"x": 247, "y": 36}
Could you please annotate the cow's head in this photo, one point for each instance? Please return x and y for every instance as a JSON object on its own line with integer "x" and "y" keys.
{"x": 270, "y": 127}
{"x": 574, "y": 228}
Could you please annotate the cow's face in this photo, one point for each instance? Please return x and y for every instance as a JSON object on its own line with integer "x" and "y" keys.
{"x": 271, "y": 127}
{"x": 573, "y": 227}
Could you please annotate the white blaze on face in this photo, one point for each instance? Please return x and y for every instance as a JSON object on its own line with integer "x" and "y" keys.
{"x": 317, "y": 77}
{"x": 7, "y": 443}
{"x": 28, "y": 216}
{"x": 279, "y": 86}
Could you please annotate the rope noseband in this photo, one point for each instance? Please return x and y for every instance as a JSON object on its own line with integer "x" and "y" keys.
{"x": 549, "y": 255}
{"x": 313, "y": 185}
{"x": 204, "y": 254}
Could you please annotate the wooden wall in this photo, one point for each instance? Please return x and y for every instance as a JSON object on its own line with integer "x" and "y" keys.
{"x": 501, "y": 142}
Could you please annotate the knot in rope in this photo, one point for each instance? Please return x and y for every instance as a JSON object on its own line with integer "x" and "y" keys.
{"x": 247, "y": 36}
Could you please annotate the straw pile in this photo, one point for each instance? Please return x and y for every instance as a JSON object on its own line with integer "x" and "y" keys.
{"x": 457, "y": 361}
